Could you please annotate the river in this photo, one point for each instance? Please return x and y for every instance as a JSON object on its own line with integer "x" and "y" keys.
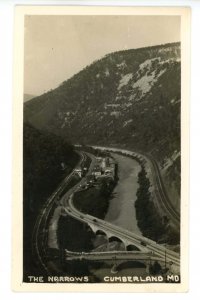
{"x": 121, "y": 211}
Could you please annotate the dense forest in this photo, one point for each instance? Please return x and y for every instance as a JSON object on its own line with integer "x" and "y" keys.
{"x": 47, "y": 159}
{"x": 95, "y": 200}
{"x": 149, "y": 221}
{"x": 151, "y": 224}
{"x": 74, "y": 235}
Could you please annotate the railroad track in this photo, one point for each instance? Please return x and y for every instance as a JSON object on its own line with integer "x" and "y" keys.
{"x": 162, "y": 191}
{"x": 40, "y": 229}
{"x": 40, "y": 232}
{"x": 157, "y": 249}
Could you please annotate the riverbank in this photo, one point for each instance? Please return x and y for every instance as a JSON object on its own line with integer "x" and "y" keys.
{"x": 95, "y": 199}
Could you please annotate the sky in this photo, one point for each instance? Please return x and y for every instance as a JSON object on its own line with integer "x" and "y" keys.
{"x": 57, "y": 47}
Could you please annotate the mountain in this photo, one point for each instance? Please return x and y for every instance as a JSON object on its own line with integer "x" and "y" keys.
{"x": 44, "y": 154}
{"x": 43, "y": 157}
{"x": 129, "y": 99}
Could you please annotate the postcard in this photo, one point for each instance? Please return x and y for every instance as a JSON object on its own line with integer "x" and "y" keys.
{"x": 100, "y": 148}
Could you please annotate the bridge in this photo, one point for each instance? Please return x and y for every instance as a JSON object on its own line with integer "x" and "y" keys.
{"x": 131, "y": 241}
{"x": 119, "y": 258}
{"x": 136, "y": 248}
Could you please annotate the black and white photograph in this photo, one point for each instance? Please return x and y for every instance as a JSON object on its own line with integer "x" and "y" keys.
{"x": 102, "y": 148}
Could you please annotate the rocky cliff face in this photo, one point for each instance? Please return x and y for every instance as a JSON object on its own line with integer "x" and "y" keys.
{"x": 129, "y": 99}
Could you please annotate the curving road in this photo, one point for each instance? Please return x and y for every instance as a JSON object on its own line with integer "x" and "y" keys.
{"x": 152, "y": 246}
{"x": 41, "y": 230}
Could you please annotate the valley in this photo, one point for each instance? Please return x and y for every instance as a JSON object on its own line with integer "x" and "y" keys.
{"x": 128, "y": 99}
{"x": 116, "y": 203}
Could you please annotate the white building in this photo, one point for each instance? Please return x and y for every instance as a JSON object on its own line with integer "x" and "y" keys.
{"x": 79, "y": 172}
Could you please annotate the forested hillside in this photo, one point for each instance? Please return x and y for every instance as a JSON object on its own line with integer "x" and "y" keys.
{"x": 129, "y": 99}
{"x": 47, "y": 159}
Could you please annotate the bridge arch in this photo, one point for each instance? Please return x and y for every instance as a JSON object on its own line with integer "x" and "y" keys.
{"x": 132, "y": 264}
{"x": 116, "y": 239}
{"x": 100, "y": 232}
{"x": 132, "y": 247}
